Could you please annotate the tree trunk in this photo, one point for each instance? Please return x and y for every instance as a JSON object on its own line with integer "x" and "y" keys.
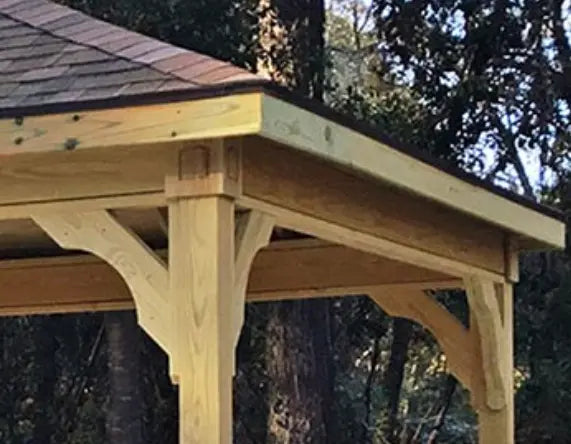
{"x": 299, "y": 356}
{"x": 299, "y": 367}
{"x": 402, "y": 331}
{"x": 292, "y": 41}
{"x": 45, "y": 376}
{"x": 124, "y": 416}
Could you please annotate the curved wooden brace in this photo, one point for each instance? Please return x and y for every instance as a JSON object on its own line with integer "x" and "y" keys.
{"x": 253, "y": 232}
{"x": 453, "y": 338}
{"x": 485, "y": 310}
{"x": 146, "y": 275}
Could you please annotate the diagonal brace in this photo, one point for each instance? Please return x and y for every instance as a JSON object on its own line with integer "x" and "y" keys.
{"x": 452, "y": 336}
{"x": 146, "y": 275}
{"x": 488, "y": 328}
{"x": 253, "y": 232}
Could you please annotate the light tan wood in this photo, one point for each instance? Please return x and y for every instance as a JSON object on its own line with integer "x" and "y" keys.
{"x": 58, "y": 177}
{"x": 311, "y": 189}
{"x": 25, "y": 210}
{"x": 253, "y": 232}
{"x": 289, "y": 269}
{"x": 358, "y": 240}
{"x": 480, "y": 357}
{"x": 497, "y": 426}
{"x": 128, "y": 126}
{"x": 144, "y": 272}
{"x": 313, "y": 134}
{"x": 512, "y": 259}
{"x": 293, "y": 268}
{"x": 453, "y": 337}
{"x": 485, "y": 309}
{"x": 201, "y": 257}
{"x": 213, "y": 167}
{"x": 249, "y": 114}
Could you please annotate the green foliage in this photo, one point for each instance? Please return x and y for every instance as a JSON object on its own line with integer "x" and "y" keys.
{"x": 491, "y": 75}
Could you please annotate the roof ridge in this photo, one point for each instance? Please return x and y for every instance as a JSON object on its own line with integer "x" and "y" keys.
{"x": 148, "y": 52}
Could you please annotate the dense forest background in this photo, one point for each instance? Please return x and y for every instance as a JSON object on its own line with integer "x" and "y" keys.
{"x": 483, "y": 84}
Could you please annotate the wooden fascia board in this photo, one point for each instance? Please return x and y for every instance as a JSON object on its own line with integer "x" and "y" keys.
{"x": 289, "y": 124}
{"x": 224, "y": 116}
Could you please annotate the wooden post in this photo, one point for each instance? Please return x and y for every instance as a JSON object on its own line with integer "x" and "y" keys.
{"x": 491, "y": 319}
{"x": 202, "y": 274}
{"x": 201, "y": 194}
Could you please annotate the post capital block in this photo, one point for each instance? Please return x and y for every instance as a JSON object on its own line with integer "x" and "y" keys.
{"x": 207, "y": 168}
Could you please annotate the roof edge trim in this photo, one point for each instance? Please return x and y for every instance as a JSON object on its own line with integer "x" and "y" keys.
{"x": 331, "y": 140}
{"x": 302, "y": 104}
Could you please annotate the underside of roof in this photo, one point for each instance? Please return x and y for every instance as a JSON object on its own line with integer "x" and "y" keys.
{"x": 54, "y": 54}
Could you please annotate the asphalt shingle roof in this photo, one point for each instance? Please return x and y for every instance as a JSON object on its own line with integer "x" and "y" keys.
{"x": 53, "y": 54}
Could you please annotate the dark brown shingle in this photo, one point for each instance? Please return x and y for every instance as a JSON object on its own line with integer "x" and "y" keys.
{"x": 53, "y": 54}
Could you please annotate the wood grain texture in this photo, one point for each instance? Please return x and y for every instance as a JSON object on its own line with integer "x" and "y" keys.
{"x": 332, "y": 232}
{"x": 497, "y": 426}
{"x": 485, "y": 311}
{"x": 144, "y": 272}
{"x": 198, "y": 119}
{"x": 201, "y": 258}
{"x": 289, "y": 269}
{"x": 85, "y": 174}
{"x": 512, "y": 247}
{"x": 304, "y": 186}
{"x": 313, "y": 134}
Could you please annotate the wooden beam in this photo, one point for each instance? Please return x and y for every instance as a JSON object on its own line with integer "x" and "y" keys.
{"x": 291, "y": 269}
{"x": 143, "y": 271}
{"x": 365, "y": 242}
{"x": 311, "y": 197}
{"x": 55, "y": 178}
{"x": 129, "y": 129}
{"x": 312, "y": 134}
{"x": 217, "y": 117}
{"x": 201, "y": 258}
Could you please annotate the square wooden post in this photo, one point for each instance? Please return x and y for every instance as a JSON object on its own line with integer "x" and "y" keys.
{"x": 201, "y": 262}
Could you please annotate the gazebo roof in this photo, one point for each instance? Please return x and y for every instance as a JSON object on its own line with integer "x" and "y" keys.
{"x": 54, "y": 54}
{"x": 66, "y": 80}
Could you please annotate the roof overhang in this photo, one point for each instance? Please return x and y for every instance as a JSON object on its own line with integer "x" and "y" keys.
{"x": 257, "y": 110}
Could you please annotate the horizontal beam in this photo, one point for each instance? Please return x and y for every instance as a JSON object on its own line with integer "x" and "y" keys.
{"x": 227, "y": 116}
{"x": 134, "y": 176}
{"x": 313, "y": 134}
{"x": 311, "y": 197}
{"x": 285, "y": 270}
{"x": 33, "y": 177}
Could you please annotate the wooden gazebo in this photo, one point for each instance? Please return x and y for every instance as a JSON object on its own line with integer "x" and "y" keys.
{"x": 173, "y": 169}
